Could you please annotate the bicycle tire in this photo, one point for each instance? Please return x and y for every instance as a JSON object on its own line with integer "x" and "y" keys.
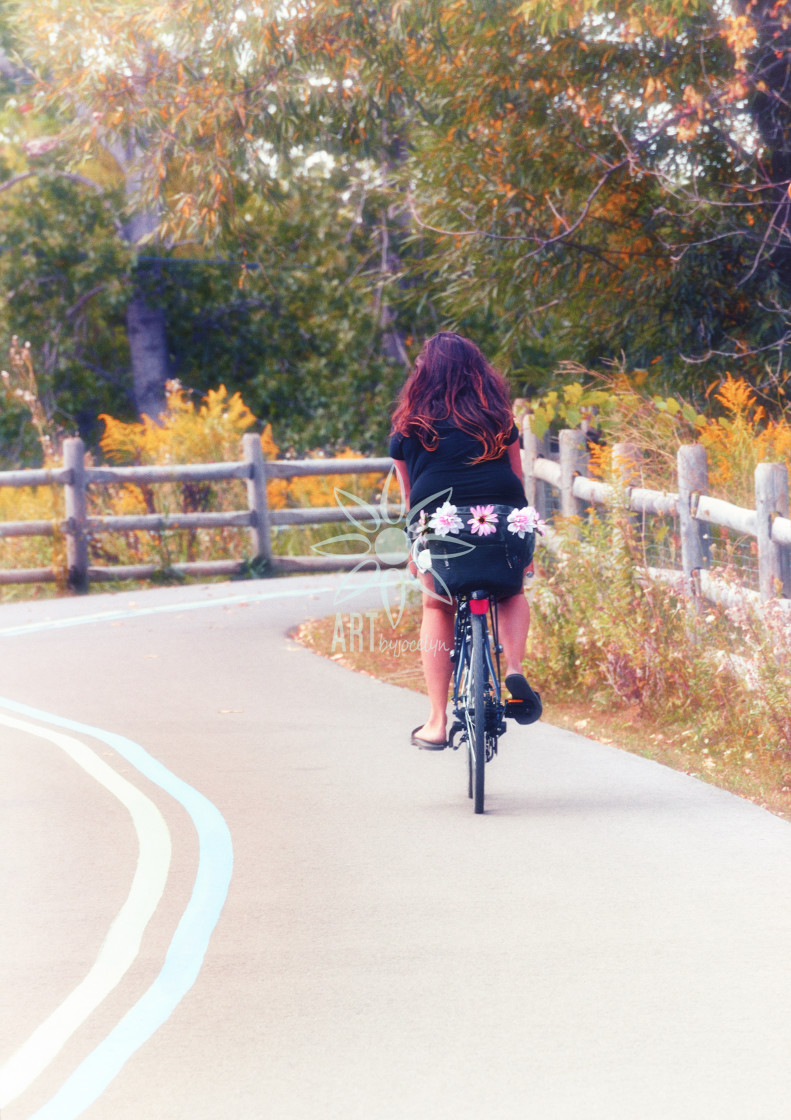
{"x": 466, "y": 700}
{"x": 477, "y": 699}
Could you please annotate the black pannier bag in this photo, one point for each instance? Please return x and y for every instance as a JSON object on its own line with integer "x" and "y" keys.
{"x": 464, "y": 561}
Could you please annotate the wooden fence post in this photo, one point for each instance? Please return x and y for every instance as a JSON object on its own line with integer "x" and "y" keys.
{"x": 771, "y": 500}
{"x": 534, "y": 448}
{"x": 693, "y": 480}
{"x": 260, "y": 530}
{"x": 573, "y": 461}
{"x": 76, "y": 515}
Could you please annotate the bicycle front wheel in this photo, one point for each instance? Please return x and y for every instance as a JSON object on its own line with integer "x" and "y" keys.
{"x": 476, "y": 708}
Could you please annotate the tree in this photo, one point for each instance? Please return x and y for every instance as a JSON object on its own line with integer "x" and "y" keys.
{"x": 110, "y": 177}
{"x": 568, "y": 179}
{"x": 62, "y": 266}
{"x": 269, "y": 298}
{"x": 623, "y": 169}
{"x": 592, "y": 177}
{"x": 168, "y": 100}
{"x": 292, "y": 324}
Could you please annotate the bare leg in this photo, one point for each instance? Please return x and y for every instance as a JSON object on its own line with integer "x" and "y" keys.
{"x": 514, "y": 616}
{"x": 436, "y": 643}
{"x": 514, "y": 622}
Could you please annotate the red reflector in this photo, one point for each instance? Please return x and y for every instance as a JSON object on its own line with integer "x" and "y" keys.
{"x": 479, "y": 606}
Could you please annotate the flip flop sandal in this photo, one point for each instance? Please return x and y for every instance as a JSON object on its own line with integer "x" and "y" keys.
{"x": 427, "y": 744}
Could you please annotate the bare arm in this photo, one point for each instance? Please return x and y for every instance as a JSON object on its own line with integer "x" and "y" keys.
{"x": 515, "y": 459}
{"x": 403, "y": 478}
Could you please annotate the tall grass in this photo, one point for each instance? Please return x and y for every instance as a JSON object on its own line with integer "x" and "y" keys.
{"x": 719, "y": 679}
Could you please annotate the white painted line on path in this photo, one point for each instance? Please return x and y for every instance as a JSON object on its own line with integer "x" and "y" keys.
{"x": 189, "y": 944}
{"x": 166, "y": 608}
{"x": 190, "y": 941}
{"x": 122, "y": 944}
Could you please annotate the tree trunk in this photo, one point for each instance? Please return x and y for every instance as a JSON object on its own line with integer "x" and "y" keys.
{"x": 148, "y": 346}
{"x": 770, "y": 109}
{"x": 397, "y": 218}
{"x": 145, "y": 322}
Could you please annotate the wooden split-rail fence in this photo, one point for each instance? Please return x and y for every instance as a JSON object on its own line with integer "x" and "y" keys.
{"x": 79, "y": 528}
{"x": 561, "y": 481}
{"x": 553, "y": 481}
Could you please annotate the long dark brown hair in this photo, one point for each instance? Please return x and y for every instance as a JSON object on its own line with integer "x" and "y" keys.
{"x": 452, "y": 380}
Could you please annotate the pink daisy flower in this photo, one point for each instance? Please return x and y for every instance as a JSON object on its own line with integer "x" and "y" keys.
{"x": 483, "y": 520}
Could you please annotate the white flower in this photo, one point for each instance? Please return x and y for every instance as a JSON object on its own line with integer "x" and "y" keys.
{"x": 446, "y": 520}
{"x": 40, "y": 145}
{"x": 525, "y": 520}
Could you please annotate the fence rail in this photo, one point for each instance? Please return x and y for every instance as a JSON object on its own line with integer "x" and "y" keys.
{"x": 553, "y": 483}
{"x": 79, "y": 528}
{"x": 768, "y": 523}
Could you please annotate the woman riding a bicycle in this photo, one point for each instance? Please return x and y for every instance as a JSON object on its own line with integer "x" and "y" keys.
{"x": 454, "y": 440}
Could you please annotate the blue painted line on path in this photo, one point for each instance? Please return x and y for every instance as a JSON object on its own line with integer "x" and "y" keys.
{"x": 190, "y": 941}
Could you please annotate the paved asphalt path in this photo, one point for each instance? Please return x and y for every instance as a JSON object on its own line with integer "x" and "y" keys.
{"x": 232, "y": 890}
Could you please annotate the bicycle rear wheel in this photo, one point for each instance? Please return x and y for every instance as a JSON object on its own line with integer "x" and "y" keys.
{"x": 476, "y": 713}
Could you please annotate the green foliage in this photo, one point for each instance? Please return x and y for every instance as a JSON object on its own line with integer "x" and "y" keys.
{"x": 293, "y": 324}
{"x": 569, "y": 406}
{"x": 563, "y": 181}
{"x": 603, "y": 628}
{"x": 62, "y": 279}
{"x": 600, "y": 621}
{"x": 188, "y": 432}
{"x": 290, "y": 320}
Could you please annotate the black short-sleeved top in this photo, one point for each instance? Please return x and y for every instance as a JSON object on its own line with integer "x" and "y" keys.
{"x": 450, "y": 467}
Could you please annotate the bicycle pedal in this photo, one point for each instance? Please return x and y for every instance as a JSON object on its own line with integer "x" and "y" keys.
{"x": 455, "y": 730}
{"x": 514, "y": 708}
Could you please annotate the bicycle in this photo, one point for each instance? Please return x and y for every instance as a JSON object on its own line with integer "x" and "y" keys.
{"x": 458, "y": 561}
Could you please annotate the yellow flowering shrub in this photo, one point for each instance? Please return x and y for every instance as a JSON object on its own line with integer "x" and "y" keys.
{"x": 741, "y": 438}
{"x": 209, "y": 432}
{"x": 600, "y": 461}
{"x": 319, "y": 490}
{"x": 738, "y": 432}
{"x": 212, "y": 433}
{"x": 39, "y": 503}
{"x": 206, "y": 432}
{"x": 184, "y": 434}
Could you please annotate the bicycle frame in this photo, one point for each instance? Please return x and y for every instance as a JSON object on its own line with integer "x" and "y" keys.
{"x": 478, "y": 723}
{"x": 462, "y": 649}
